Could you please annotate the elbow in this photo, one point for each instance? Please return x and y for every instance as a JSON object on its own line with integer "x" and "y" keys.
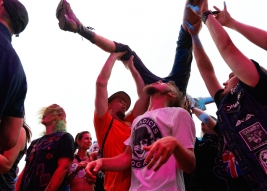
{"x": 66, "y": 168}
{"x": 101, "y": 83}
{"x": 191, "y": 168}
{"x": 9, "y": 133}
{"x": 8, "y": 143}
{"x": 226, "y": 45}
{"x": 191, "y": 164}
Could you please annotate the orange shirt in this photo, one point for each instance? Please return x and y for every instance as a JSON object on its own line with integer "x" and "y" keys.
{"x": 119, "y": 132}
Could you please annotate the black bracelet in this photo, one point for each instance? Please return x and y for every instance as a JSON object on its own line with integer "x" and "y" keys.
{"x": 204, "y": 16}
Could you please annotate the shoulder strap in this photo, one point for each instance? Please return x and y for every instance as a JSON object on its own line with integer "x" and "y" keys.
{"x": 103, "y": 144}
{"x": 78, "y": 158}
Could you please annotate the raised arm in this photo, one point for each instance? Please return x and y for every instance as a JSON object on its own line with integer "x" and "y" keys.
{"x": 101, "y": 98}
{"x": 142, "y": 102}
{"x": 253, "y": 34}
{"x": 205, "y": 118}
{"x": 243, "y": 68}
{"x": 203, "y": 62}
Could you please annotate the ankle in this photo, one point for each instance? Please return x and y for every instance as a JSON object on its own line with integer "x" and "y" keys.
{"x": 86, "y": 33}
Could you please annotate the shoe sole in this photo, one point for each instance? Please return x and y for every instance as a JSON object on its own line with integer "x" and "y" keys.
{"x": 61, "y": 17}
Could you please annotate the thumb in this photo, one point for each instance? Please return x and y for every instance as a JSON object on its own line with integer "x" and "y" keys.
{"x": 97, "y": 168}
{"x": 131, "y": 58}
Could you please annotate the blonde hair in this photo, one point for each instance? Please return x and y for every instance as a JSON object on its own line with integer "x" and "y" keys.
{"x": 177, "y": 101}
{"x": 60, "y": 115}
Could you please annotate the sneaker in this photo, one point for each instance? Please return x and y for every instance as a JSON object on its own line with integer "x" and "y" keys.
{"x": 67, "y": 19}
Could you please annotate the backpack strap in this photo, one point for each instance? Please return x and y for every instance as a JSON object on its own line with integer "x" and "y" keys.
{"x": 78, "y": 158}
{"x": 103, "y": 144}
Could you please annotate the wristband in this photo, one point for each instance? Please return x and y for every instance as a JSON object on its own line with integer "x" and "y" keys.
{"x": 204, "y": 118}
{"x": 204, "y": 16}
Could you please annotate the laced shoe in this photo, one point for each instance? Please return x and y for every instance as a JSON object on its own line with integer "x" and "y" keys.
{"x": 69, "y": 22}
{"x": 66, "y": 17}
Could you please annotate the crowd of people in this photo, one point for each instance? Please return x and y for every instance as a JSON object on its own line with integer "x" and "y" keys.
{"x": 154, "y": 145}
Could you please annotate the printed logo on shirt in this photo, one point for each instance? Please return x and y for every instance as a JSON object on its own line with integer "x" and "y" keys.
{"x": 254, "y": 136}
{"x": 234, "y": 89}
{"x": 49, "y": 156}
{"x": 248, "y": 116}
{"x": 234, "y": 106}
{"x": 231, "y": 165}
{"x": 262, "y": 158}
{"x": 44, "y": 179}
{"x": 145, "y": 132}
{"x": 40, "y": 169}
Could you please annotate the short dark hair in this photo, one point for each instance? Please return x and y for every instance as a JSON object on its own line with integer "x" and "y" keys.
{"x": 8, "y": 19}
{"x": 17, "y": 14}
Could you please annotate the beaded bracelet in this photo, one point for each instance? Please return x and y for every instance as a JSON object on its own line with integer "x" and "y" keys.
{"x": 204, "y": 16}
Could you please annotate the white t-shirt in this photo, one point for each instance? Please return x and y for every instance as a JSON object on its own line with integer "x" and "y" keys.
{"x": 148, "y": 128}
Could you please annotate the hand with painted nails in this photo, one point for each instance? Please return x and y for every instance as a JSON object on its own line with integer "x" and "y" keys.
{"x": 224, "y": 18}
{"x": 160, "y": 152}
{"x": 193, "y": 29}
{"x": 201, "y": 7}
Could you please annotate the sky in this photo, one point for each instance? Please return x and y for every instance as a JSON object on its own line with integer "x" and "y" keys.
{"x": 62, "y": 68}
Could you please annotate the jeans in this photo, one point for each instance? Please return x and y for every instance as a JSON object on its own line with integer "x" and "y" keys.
{"x": 180, "y": 72}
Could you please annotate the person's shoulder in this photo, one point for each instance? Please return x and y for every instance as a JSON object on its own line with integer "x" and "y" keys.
{"x": 178, "y": 110}
{"x": 62, "y": 136}
{"x": 6, "y": 46}
{"x": 67, "y": 135}
{"x": 36, "y": 140}
{"x": 106, "y": 116}
{"x": 218, "y": 97}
